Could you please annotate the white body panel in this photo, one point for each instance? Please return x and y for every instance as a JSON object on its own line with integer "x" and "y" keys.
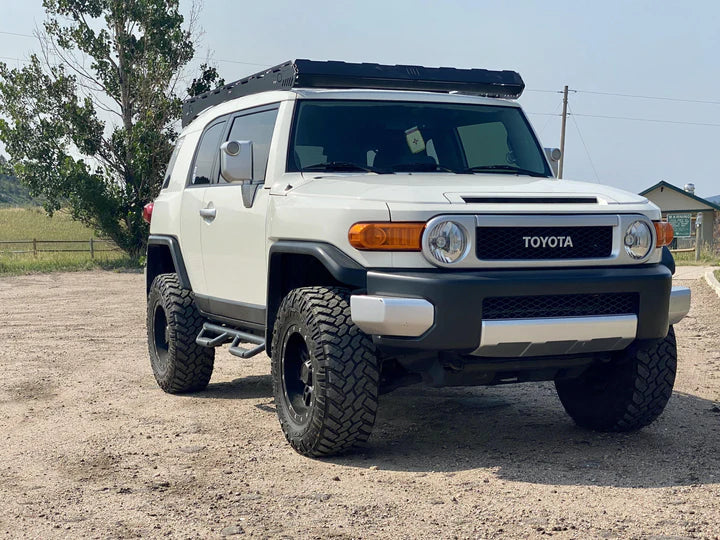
{"x": 227, "y": 257}
{"x": 192, "y": 225}
{"x": 326, "y": 219}
{"x": 233, "y": 245}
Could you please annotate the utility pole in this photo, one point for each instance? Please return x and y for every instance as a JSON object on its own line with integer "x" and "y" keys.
{"x": 562, "y": 132}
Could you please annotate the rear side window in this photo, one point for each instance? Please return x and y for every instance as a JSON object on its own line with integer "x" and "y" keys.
{"x": 258, "y": 128}
{"x": 206, "y": 154}
{"x": 171, "y": 163}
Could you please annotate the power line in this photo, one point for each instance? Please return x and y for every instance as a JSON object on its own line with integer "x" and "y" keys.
{"x": 660, "y": 98}
{"x": 16, "y": 34}
{"x": 654, "y": 120}
{"x": 18, "y": 59}
{"x": 634, "y": 96}
{"x": 214, "y": 60}
{"x": 582, "y": 139}
{"x": 544, "y": 91}
{"x": 547, "y": 122}
{"x": 596, "y": 92}
{"x": 238, "y": 62}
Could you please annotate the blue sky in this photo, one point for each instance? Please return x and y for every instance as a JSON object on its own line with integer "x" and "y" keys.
{"x": 660, "y": 49}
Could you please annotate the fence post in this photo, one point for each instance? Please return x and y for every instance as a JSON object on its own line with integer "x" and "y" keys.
{"x": 92, "y": 247}
{"x": 698, "y": 240}
{"x": 35, "y": 247}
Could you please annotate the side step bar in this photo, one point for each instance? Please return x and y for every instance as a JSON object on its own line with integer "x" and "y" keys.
{"x": 214, "y": 335}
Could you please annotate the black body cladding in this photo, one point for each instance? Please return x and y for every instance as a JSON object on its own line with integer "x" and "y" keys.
{"x": 164, "y": 256}
{"x": 459, "y": 297}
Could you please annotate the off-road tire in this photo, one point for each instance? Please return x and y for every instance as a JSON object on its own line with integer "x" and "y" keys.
{"x": 336, "y": 409}
{"x": 627, "y": 393}
{"x": 178, "y": 363}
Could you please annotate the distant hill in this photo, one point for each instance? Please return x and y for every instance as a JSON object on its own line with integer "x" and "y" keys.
{"x": 13, "y": 193}
{"x": 715, "y": 199}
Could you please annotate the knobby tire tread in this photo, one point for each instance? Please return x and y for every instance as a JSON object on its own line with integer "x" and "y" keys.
{"x": 349, "y": 372}
{"x": 190, "y": 365}
{"x": 641, "y": 388}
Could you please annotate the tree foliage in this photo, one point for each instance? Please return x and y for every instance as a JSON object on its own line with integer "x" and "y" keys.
{"x": 209, "y": 79}
{"x": 89, "y": 124}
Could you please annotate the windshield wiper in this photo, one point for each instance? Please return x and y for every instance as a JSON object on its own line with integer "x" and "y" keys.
{"x": 505, "y": 168}
{"x": 339, "y": 166}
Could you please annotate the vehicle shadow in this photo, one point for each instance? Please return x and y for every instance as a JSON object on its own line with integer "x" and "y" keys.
{"x": 522, "y": 433}
{"x": 250, "y": 387}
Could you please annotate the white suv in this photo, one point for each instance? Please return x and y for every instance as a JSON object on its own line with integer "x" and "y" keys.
{"x": 380, "y": 226}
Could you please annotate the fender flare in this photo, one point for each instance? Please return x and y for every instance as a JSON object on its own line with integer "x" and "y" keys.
{"x": 343, "y": 268}
{"x": 668, "y": 260}
{"x": 173, "y": 246}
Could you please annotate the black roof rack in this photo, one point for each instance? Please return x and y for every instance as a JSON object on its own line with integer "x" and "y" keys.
{"x": 314, "y": 74}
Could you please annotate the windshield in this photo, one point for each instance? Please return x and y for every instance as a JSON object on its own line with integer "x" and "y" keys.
{"x": 399, "y": 136}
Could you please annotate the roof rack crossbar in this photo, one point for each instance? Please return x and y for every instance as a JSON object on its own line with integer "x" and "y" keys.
{"x": 317, "y": 74}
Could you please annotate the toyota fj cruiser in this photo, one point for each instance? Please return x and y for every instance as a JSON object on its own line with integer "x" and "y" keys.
{"x": 378, "y": 226}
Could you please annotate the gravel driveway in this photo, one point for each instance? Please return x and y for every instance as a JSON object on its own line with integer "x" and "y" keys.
{"x": 91, "y": 447}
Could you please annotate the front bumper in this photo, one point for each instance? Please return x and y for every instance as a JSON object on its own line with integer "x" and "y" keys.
{"x": 442, "y": 310}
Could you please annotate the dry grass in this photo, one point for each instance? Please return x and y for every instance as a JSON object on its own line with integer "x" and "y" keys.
{"x": 26, "y": 224}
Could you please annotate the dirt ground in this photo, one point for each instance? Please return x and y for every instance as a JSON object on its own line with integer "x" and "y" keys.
{"x": 90, "y": 446}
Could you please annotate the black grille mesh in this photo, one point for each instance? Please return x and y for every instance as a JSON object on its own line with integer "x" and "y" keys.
{"x": 508, "y": 243}
{"x": 564, "y": 305}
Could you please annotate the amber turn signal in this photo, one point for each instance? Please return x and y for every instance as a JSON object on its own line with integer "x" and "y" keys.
{"x": 386, "y": 236}
{"x": 664, "y": 233}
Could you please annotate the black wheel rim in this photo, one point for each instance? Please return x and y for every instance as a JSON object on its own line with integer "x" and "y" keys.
{"x": 298, "y": 376}
{"x": 161, "y": 338}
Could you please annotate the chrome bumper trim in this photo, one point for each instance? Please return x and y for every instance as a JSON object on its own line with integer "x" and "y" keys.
{"x": 679, "y": 304}
{"x": 390, "y": 316}
{"x": 557, "y": 335}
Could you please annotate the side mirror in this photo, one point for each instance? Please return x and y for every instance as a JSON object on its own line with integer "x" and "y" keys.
{"x": 236, "y": 161}
{"x": 553, "y": 155}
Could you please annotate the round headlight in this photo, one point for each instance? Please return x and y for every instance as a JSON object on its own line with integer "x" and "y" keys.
{"x": 638, "y": 240}
{"x": 447, "y": 241}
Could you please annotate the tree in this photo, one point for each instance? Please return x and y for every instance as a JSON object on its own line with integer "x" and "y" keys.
{"x": 89, "y": 124}
{"x": 208, "y": 80}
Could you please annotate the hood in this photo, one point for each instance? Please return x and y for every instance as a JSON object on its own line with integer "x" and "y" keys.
{"x": 434, "y": 188}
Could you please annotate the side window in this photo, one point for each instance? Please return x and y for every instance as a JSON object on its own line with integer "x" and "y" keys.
{"x": 206, "y": 154}
{"x": 171, "y": 163}
{"x": 258, "y": 128}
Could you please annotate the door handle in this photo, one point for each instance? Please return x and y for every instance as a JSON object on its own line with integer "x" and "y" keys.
{"x": 208, "y": 213}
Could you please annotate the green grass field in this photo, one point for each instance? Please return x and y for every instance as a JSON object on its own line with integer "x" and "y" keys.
{"x": 707, "y": 258}
{"x": 26, "y": 224}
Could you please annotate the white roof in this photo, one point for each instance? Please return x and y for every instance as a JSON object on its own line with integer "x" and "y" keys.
{"x": 274, "y": 96}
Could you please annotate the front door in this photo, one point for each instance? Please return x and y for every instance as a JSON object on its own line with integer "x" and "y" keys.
{"x": 234, "y": 243}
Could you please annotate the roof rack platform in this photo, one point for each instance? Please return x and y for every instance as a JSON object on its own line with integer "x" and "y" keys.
{"x": 315, "y": 74}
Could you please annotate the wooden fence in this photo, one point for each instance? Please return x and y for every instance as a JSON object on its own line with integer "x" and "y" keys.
{"x": 35, "y": 246}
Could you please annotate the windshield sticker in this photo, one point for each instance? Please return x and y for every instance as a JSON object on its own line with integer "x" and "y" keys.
{"x": 415, "y": 140}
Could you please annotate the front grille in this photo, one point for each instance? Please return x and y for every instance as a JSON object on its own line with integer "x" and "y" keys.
{"x": 563, "y": 305}
{"x": 551, "y": 243}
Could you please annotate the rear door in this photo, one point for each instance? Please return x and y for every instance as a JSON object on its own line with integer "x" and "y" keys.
{"x": 193, "y": 216}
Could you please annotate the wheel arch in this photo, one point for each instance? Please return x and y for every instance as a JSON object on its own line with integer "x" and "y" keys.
{"x": 668, "y": 260}
{"x": 293, "y": 264}
{"x": 164, "y": 256}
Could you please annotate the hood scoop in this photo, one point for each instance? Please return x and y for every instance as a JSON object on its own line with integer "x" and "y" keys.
{"x": 528, "y": 200}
